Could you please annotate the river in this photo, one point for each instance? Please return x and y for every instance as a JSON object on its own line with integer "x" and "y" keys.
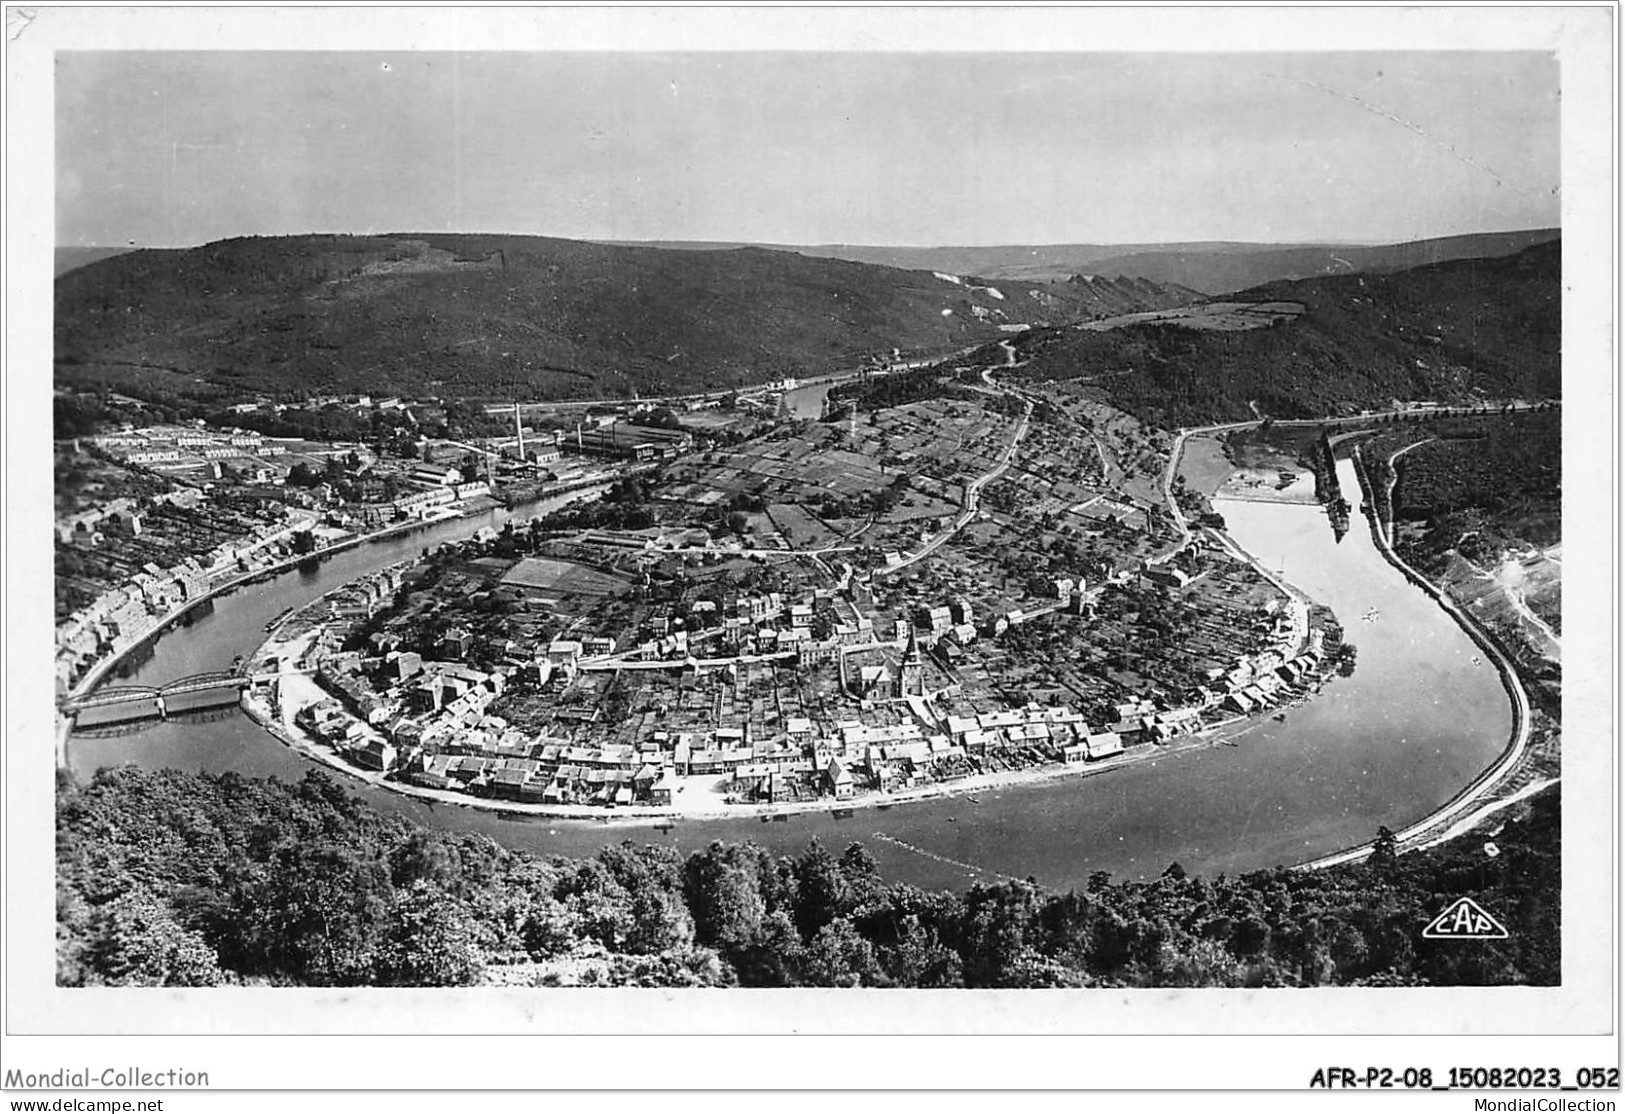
{"x": 1420, "y": 717}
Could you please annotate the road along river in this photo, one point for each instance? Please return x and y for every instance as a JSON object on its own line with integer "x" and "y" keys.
{"x": 1421, "y": 716}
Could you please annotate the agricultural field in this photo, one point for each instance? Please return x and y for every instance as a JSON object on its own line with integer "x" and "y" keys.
{"x": 563, "y": 576}
{"x": 1131, "y": 455}
{"x": 948, "y": 440}
{"x": 783, "y": 467}
{"x": 800, "y": 528}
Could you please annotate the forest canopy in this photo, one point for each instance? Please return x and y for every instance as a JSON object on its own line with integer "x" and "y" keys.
{"x": 175, "y": 879}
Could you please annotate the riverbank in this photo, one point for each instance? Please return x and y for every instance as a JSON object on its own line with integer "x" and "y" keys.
{"x": 1447, "y": 815}
{"x": 98, "y": 671}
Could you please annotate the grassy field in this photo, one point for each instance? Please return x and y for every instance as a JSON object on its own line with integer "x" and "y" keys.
{"x": 1214, "y": 316}
{"x": 1205, "y": 465}
{"x": 562, "y": 576}
{"x": 945, "y": 440}
{"x": 800, "y": 527}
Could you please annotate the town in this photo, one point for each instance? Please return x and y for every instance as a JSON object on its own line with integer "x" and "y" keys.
{"x": 153, "y": 520}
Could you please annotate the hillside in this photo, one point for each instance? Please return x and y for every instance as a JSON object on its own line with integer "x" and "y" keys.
{"x": 1213, "y": 272}
{"x": 68, "y": 259}
{"x": 176, "y": 879}
{"x": 1034, "y": 262}
{"x": 1459, "y": 331}
{"x": 1212, "y": 266}
{"x": 497, "y": 316}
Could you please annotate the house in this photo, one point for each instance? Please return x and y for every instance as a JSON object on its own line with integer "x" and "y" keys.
{"x": 1292, "y": 672}
{"x": 1166, "y": 576}
{"x": 977, "y": 741}
{"x": 563, "y": 652}
{"x": 808, "y": 651}
{"x": 1104, "y": 744}
{"x": 1133, "y": 708}
{"x": 852, "y": 634}
{"x": 838, "y": 779}
{"x": 995, "y": 721}
{"x": 760, "y": 609}
{"x": 754, "y": 780}
{"x": 123, "y": 521}
{"x": 376, "y": 755}
{"x": 682, "y": 753}
{"x": 644, "y": 779}
{"x": 663, "y": 788}
{"x": 508, "y": 782}
{"x": 404, "y": 664}
{"x": 406, "y": 732}
{"x": 428, "y": 694}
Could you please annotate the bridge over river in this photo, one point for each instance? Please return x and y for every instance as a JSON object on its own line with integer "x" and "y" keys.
{"x": 116, "y": 704}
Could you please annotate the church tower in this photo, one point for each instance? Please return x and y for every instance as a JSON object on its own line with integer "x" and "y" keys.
{"x": 913, "y": 678}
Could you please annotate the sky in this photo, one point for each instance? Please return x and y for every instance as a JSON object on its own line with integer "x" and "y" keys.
{"x": 181, "y": 148}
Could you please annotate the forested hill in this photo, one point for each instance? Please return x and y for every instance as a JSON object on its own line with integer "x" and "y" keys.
{"x": 500, "y": 316}
{"x": 185, "y": 880}
{"x": 1460, "y": 331}
{"x": 1215, "y": 271}
{"x": 1208, "y": 266}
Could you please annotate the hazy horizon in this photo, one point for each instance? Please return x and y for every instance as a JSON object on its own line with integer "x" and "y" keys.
{"x": 162, "y": 148}
{"x": 827, "y": 244}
